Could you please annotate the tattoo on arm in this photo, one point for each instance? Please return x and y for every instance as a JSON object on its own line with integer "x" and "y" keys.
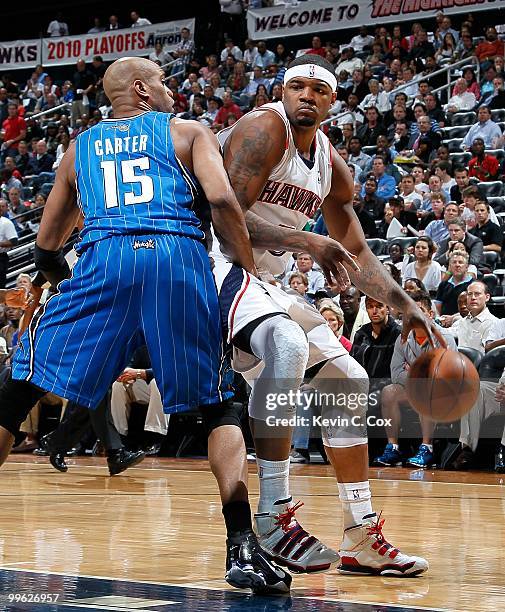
{"x": 247, "y": 162}
{"x": 374, "y": 280}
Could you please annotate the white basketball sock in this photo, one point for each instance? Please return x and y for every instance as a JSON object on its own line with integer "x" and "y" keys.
{"x": 274, "y": 482}
{"x": 356, "y": 501}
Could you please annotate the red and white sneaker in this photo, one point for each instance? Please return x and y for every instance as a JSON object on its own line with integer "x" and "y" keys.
{"x": 364, "y": 550}
{"x": 285, "y": 540}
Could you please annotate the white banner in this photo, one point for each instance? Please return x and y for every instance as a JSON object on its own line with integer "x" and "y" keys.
{"x": 323, "y": 15}
{"x": 19, "y": 54}
{"x": 113, "y": 44}
{"x": 110, "y": 45}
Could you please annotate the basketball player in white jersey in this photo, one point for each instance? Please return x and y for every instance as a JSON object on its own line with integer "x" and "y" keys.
{"x": 283, "y": 168}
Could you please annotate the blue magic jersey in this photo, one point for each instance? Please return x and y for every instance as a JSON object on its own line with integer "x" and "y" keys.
{"x": 129, "y": 180}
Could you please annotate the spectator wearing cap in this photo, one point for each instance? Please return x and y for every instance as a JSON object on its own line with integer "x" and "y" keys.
{"x": 485, "y": 128}
{"x": 395, "y": 209}
{"x": 386, "y": 184}
{"x": 482, "y": 166}
{"x": 462, "y": 99}
{"x": 213, "y": 105}
{"x": 458, "y": 233}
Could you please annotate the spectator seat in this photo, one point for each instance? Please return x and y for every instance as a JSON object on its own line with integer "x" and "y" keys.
{"x": 378, "y": 246}
{"x": 498, "y": 114}
{"x": 458, "y": 131}
{"x": 473, "y": 354}
{"x": 492, "y": 364}
{"x": 468, "y": 118}
{"x": 460, "y": 158}
{"x": 454, "y": 144}
{"x": 492, "y": 188}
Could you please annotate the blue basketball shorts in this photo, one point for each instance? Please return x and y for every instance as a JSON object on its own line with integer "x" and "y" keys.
{"x": 126, "y": 291}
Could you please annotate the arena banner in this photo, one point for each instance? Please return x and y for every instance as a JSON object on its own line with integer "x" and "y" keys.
{"x": 19, "y": 54}
{"x": 113, "y": 44}
{"x": 110, "y": 45}
{"x": 324, "y": 15}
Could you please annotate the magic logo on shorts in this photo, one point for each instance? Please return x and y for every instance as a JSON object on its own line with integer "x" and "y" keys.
{"x": 144, "y": 244}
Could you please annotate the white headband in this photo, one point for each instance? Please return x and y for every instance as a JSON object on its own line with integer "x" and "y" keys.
{"x": 311, "y": 71}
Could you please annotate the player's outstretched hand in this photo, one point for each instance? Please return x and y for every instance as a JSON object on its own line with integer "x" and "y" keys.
{"x": 333, "y": 257}
{"x": 414, "y": 318}
{"x": 16, "y": 298}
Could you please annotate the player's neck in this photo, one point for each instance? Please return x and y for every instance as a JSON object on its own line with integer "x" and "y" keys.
{"x": 123, "y": 110}
{"x": 305, "y": 140}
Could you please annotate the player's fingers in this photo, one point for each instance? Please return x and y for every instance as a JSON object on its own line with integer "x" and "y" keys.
{"x": 342, "y": 276}
{"x": 349, "y": 259}
{"x": 327, "y": 275}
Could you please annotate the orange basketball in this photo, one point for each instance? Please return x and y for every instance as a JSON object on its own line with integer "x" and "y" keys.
{"x": 443, "y": 385}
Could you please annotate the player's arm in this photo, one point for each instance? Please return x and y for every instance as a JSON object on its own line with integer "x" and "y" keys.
{"x": 60, "y": 217}
{"x": 372, "y": 278}
{"x": 227, "y": 217}
{"x": 253, "y": 150}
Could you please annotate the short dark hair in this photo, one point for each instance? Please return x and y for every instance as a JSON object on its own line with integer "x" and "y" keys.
{"x": 460, "y": 169}
{"x": 309, "y": 58}
{"x": 422, "y": 297}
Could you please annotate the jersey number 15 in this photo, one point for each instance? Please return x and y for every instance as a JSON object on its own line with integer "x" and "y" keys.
{"x": 128, "y": 177}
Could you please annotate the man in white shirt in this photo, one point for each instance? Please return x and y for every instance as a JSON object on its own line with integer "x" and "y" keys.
{"x": 362, "y": 40}
{"x": 231, "y": 49}
{"x": 138, "y": 21}
{"x": 464, "y": 100}
{"x": 349, "y": 63}
{"x": 57, "y": 27}
{"x": 474, "y": 328}
{"x": 8, "y": 239}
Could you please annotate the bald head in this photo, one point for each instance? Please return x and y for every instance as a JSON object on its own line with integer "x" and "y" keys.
{"x": 135, "y": 83}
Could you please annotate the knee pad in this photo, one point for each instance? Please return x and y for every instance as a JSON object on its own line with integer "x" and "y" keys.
{"x": 342, "y": 390}
{"x": 224, "y": 413}
{"x": 282, "y": 345}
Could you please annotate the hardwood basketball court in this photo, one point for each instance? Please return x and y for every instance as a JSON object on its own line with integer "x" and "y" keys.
{"x": 153, "y": 539}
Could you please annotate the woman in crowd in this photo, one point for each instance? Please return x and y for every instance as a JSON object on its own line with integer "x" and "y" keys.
{"x": 335, "y": 320}
{"x": 423, "y": 268}
{"x": 448, "y": 48}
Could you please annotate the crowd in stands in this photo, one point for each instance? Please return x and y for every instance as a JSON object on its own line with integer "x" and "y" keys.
{"x": 427, "y": 161}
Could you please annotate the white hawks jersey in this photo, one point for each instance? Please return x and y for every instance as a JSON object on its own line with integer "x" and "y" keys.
{"x": 293, "y": 192}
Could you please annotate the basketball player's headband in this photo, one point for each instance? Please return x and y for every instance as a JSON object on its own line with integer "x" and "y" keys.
{"x": 311, "y": 71}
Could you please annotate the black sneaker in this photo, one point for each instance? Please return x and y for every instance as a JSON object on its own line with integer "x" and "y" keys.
{"x": 464, "y": 461}
{"x": 248, "y": 566}
{"x": 120, "y": 460}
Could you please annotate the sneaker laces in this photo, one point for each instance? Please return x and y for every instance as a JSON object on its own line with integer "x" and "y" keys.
{"x": 286, "y": 518}
{"x": 375, "y": 530}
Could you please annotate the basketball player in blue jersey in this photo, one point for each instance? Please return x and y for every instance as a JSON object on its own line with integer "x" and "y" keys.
{"x": 283, "y": 168}
{"x": 142, "y": 267}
